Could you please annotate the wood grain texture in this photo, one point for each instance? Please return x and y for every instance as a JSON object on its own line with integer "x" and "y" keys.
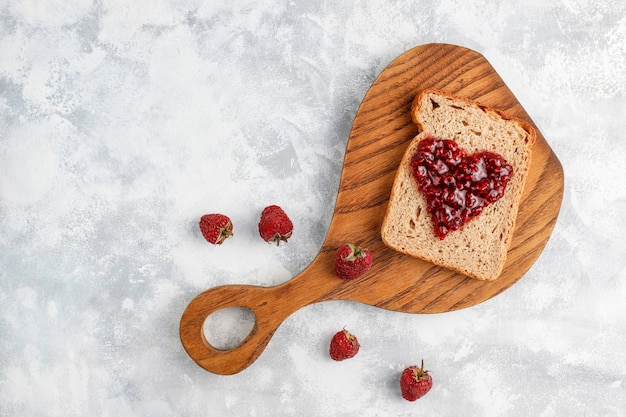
{"x": 381, "y": 131}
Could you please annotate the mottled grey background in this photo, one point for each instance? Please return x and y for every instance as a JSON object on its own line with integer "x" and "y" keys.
{"x": 122, "y": 122}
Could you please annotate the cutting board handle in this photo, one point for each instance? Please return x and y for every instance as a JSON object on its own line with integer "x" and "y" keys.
{"x": 270, "y": 306}
{"x": 228, "y": 361}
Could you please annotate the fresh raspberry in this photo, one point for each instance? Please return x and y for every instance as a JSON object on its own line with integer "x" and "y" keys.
{"x": 415, "y": 382}
{"x": 216, "y": 228}
{"x": 343, "y": 345}
{"x": 274, "y": 225}
{"x": 352, "y": 261}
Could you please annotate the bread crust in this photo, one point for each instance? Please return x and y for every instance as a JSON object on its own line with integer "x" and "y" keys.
{"x": 479, "y": 248}
{"x": 532, "y": 134}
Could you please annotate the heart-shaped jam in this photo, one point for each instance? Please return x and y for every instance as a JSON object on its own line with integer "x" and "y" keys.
{"x": 457, "y": 186}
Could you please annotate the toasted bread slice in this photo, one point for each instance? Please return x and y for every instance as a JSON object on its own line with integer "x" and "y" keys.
{"x": 479, "y": 248}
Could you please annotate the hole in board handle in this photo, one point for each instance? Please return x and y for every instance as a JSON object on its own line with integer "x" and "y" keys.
{"x": 226, "y": 328}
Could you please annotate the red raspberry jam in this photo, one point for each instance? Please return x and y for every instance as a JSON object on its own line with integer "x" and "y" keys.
{"x": 457, "y": 186}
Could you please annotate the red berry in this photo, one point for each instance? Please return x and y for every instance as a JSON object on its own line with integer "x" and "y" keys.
{"x": 352, "y": 261}
{"x": 343, "y": 345}
{"x": 274, "y": 225}
{"x": 216, "y": 228}
{"x": 415, "y": 382}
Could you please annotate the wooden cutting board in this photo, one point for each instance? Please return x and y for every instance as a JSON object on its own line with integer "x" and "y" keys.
{"x": 381, "y": 131}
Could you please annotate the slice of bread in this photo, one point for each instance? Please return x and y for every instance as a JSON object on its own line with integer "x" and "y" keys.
{"x": 479, "y": 248}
